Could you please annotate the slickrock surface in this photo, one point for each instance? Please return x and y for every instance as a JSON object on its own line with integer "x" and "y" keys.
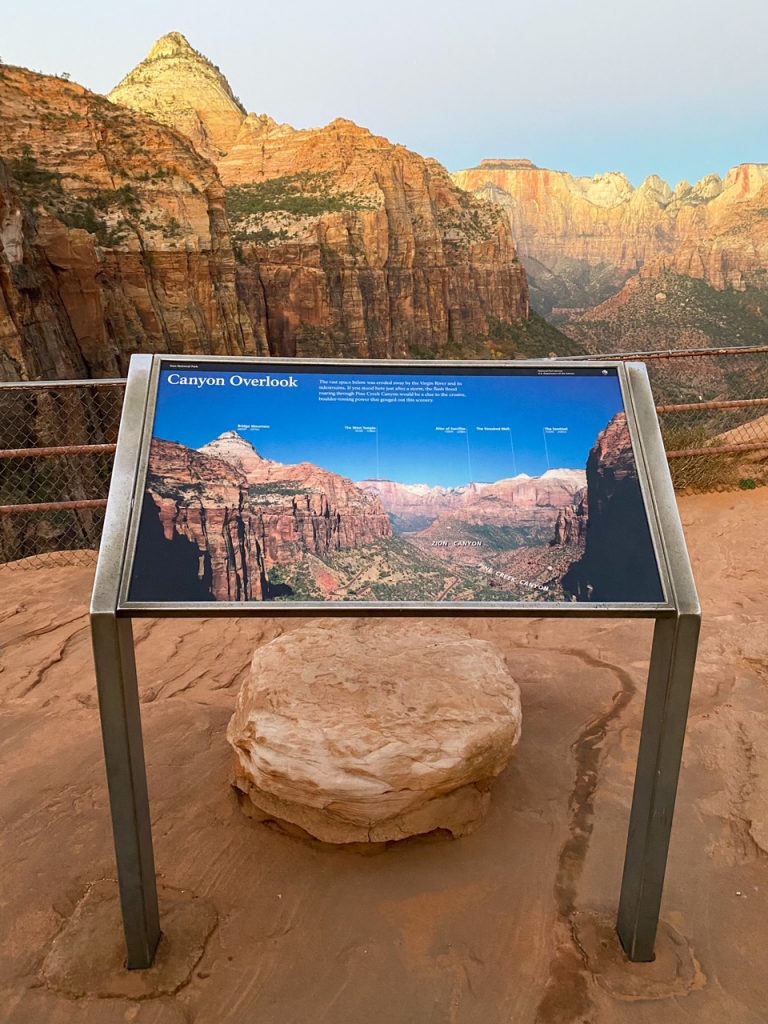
{"x": 505, "y": 925}
{"x": 371, "y": 732}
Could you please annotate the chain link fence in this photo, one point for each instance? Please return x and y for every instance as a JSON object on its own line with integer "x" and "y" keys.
{"x": 713, "y": 411}
{"x": 57, "y": 441}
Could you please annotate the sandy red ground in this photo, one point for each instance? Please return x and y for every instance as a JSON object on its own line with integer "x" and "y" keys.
{"x": 506, "y": 925}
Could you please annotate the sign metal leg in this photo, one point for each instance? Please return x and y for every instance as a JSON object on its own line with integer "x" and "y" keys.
{"x": 127, "y": 780}
{"x": 670, "y": 677}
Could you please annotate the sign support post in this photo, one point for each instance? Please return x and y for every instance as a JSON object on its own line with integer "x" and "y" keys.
{"x": 668, "y": 694}
{"x": 127, "y": 782}
{"x": 677, "y": 620}
{"x": 658, "y": 765}
{"x": 118, "y": 690}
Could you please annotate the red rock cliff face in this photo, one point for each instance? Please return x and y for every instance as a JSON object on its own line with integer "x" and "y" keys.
{"x": 516, "y": 501}
{"x": 581, "y": 239}
{"x": 113, "y": 237}
{"x": 245, "y": 514}
{"x": 387, "y": 258}
{"x": 348, "y": 244}
{"x": 531, "y": 504}
{"x": 202, "y": 498}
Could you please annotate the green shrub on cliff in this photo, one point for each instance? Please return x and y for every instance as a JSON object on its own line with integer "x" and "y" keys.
{"x": 533, "y": 338}
{"x": 289, "y": 198}
{"x": 105, "y": 213}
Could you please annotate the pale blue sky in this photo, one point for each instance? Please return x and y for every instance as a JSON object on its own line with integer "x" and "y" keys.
{"x": 674, "y": 87}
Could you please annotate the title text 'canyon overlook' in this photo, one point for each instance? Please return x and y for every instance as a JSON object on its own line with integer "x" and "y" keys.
{"x": 235, "y": 379}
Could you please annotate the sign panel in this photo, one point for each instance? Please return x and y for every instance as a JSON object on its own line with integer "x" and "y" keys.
{"x": 344, "y": 487}
{"x": 343, "y": 483}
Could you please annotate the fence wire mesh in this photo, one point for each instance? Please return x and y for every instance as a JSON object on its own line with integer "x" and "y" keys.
{"x": 57, "y": 442}
{"x": 713, "y": 411}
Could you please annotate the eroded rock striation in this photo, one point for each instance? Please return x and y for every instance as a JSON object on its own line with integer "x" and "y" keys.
{"x": 369, "y": 731}
{"x": 528, "y": 507}
{"x": 348, "y": 243}
{"x": 513, "y": 498}
{"x": 384, "y": 257}
{"x": 586, "y": 240}
{"x": 113, "y": 237}
{"x": 117, "y": 234}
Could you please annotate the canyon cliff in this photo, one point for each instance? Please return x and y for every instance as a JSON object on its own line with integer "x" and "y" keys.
{"x": 620, "y": 267}
{"x": 363, "y": 247}
{"x": 169, "y": 220}
{"x": 521, "y": 502}
{"x": 618, "y": 563}
{"x": 225, "y": 516}
{"x": 347, "y": 243}
{"x": 113, "y": 238}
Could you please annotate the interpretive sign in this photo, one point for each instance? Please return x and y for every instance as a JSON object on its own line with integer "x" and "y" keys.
{"x": 326, "y": 484}
{"x": 332, "y": 487}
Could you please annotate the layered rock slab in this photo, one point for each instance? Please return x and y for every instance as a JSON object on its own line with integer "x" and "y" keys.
{"x": 370, "y": 731}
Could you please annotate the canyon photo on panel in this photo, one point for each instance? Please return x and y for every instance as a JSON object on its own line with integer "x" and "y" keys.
{"x": 327, "y": 484}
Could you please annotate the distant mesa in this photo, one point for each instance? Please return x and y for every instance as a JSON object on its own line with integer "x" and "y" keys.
{"x": 511, "y": 500}
{"x": 507, "y": 164}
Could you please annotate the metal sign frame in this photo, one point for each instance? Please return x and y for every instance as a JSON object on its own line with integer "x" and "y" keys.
{"x": 672, "y": 661}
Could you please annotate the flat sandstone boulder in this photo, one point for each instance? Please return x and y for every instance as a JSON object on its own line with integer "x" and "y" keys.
{"x": 368, "y": 731}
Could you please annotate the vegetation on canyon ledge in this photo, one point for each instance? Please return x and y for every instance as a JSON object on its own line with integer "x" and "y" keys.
{"x": 286, "y": 199}
{"x": 107, "y": 213}
{"x": 533, "y": 338}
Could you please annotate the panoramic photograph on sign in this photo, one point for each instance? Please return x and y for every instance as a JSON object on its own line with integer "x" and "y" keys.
{"x": 339, "y": 483}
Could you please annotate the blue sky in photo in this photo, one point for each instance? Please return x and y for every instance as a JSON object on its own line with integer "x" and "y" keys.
{"x": 675, "y": 89}
{"x": 553, "y": 423}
